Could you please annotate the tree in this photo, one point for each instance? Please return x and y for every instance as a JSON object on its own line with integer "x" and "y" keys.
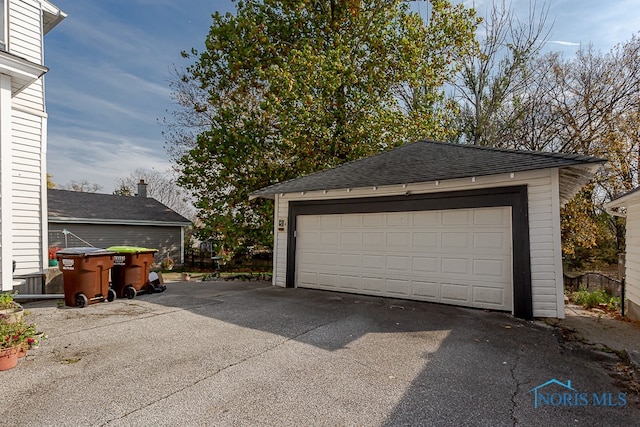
{"x": 50, "y": 183}
{"x": 289, "y": 88}
{"x": 588, "y": 104}
{"x": 491, "y": 77}
{"x": 83, "y": 186}
{"x": 161, "y": 186}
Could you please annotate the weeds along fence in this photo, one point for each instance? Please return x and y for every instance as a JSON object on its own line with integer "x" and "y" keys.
{"x": 204, "y": 260}
{"x": 592, "y": 281}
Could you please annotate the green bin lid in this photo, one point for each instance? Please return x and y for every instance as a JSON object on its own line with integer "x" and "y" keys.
{"x": 130, "y": 249}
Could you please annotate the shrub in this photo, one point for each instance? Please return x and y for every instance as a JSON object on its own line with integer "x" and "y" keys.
{"x": 595, "y": 298}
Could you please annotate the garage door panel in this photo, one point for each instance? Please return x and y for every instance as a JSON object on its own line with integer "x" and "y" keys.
{"x": 351, "y": 220}
{"x": 351, "y": 239}
{"x": 454, "y": 266}
{"x": 431, "y": 218}
{"x": 398, "y": 287}
{"x": 455, "y": 240}
{"x": 402, "y": 240}
{"x": 348, "y": 282}
{"x": 376, "y": 239}
{"x": 456, "y": 217}
{"x": 490, "y": 268}
{"x": 425, "y": 264}
{"x": 398, "y": 219}
{"x": 401, "y": 263}
{"x": 422, "y": 240}
{"x": 457, "y": 293}
{"x": 328, "y": 281}
{"x": 329, "y": 221}
{"x": 374, "y": 220}
{"x": 350, "y": 260}
{"x": 426, "y": 289}
{"x": 488, "y": 295}
{"x": 373, "y": 262}
{"x": 307, "y": 278}
{"x": 329, "y": 259}
{"x": 373, "y": 285}
{"x": 460, "y": 257}
{"x": 490, "y": 216}
{"x": 495, "y": 240}
{"x": 329, "y": 239}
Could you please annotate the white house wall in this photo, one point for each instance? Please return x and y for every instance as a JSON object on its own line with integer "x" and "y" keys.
{"x": 27, "y": 192}
{"x": 31, "y": 98}
{"x": 23, "y": 153}
{"x": 632, "y": 261}
{"x": 544, "y": 226}
{"x": 25, "y": 30}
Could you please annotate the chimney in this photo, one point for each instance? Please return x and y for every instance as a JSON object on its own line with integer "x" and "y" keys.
{"x": 142, "y": 189}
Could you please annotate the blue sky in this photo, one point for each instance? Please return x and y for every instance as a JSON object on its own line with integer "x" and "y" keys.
{"x": 111, "y": 61}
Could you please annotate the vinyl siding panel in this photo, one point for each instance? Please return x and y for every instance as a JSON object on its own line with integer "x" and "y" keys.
{"x": 632, "y": 263}
{"x": 541, "y": 229}
{"x": 31, "y": 97}
{"x": 25, "y": 30}
{"x": 166, "y": 239}
{"x": 26, "y": 197}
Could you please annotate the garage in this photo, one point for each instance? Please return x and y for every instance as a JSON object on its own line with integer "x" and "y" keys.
{"x": 431, "y": 221}
{"x": 459, "y": 256}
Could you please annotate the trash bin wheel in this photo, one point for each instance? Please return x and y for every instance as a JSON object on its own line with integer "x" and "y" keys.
{"x": 150, "y": 288}
{"x": 130, "y": 292}
{"x": 81, "y": 300}
{"x": 111, "y": 295}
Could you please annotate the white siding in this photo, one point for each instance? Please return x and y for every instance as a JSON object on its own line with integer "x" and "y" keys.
{"x": 632, "y": 261}
{"x": 27, "y": 184}
{"x": 25, "y": 30}
{"x": 31, "y": 97}
{"x": 545, "y": 247}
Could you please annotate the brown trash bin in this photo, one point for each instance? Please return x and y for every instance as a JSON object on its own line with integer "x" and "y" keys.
{"x": 85, "y": 275}
{"x": 130, "y": 272}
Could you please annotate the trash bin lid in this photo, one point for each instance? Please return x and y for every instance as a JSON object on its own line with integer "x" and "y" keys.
{"x": 84, "y": 251}
{"x": 130, "y": 249}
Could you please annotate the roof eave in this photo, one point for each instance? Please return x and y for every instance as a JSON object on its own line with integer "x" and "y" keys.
{"x": 52, "y": 16}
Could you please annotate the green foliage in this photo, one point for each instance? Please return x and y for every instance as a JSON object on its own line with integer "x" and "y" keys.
{"x": 6, "y": 300}
{"x": 293, "y": 87}
{"x": 596, "y": 298}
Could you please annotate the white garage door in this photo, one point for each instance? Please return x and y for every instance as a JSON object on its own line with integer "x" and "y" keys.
{"x": 460, "y": 256}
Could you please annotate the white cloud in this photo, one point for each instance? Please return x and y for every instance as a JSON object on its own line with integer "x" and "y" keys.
{"x": 100, "y": 157}
{"x": 563, "y": 43}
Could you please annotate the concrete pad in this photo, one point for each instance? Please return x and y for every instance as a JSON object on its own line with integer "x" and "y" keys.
{"x": 226, "y": 353}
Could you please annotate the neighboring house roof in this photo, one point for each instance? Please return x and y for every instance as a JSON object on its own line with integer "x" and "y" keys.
{"x": 94, "y": 208}
{"x": 425, "y": 161}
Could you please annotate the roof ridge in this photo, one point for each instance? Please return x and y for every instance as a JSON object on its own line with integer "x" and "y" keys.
{"x": 556, "y": 155}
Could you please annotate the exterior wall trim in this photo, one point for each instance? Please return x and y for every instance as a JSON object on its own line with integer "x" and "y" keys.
{"x": 6, "y": 180}
{"x": 515, "y": 197}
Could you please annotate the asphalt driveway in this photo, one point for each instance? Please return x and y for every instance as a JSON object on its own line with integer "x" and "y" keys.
{"x": 227, "y": 353}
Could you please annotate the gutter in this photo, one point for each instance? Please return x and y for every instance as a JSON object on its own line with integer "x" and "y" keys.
{"x": 63, "y": 220}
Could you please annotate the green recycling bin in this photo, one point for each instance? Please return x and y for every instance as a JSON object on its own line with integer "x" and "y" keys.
{"x": 85, "y": 275}
{"x": 130, "y": 271}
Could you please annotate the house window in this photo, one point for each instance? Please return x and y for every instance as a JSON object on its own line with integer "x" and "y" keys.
{"x": 3, "y": 25}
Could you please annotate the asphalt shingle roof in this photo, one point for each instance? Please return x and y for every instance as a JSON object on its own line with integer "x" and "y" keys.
{"x": 426, "y": 161}
{"x": 94, "y": 206}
